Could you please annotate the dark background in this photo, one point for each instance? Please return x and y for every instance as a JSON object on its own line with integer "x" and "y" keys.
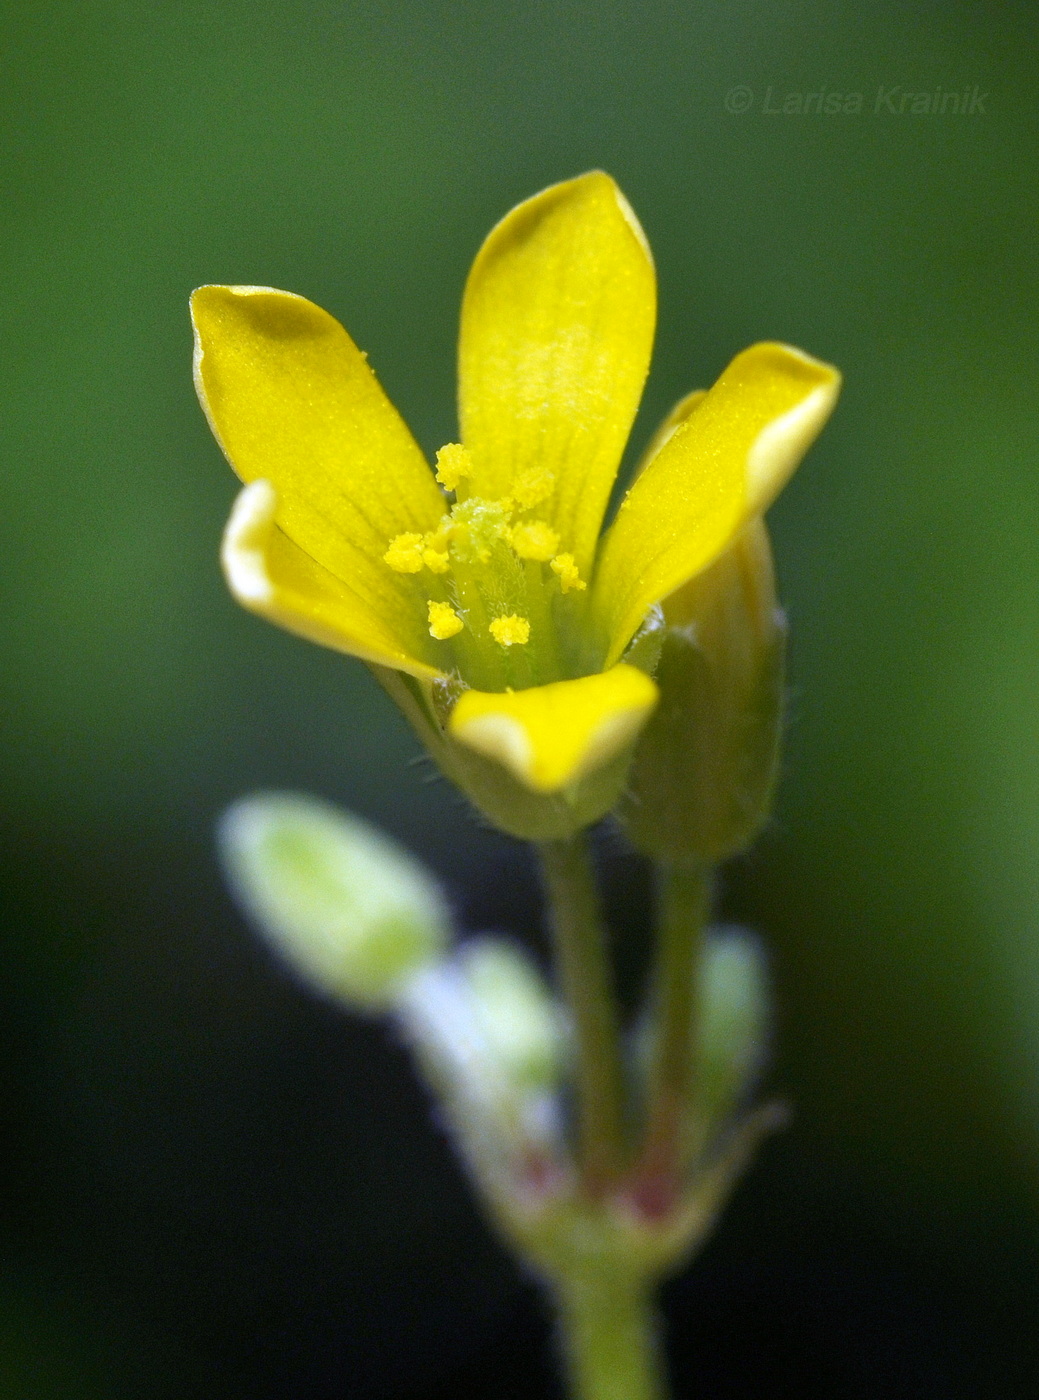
{"x": 214, "y": 1187}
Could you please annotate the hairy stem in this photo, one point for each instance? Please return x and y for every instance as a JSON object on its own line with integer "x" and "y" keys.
{"x": 611, "y": 1338}
{"x": 685, "y": 905}
{"x": 583, "y": 964}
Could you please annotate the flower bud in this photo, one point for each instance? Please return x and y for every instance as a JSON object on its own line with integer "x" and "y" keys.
{"x": 348, "y": 909}
{"x": 488, "y": 1034}
{"x": 733, "y": 1024}
{"x": 516, "y": 1012}
{"x": 730, "y": 1028}
{"x": 705, "y": 765}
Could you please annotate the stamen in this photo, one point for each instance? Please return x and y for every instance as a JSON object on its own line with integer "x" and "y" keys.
{"x": 533, "y": 486}
{"x": 510, "y": 631}
{"x": 444, "y": 622}
{"x": 453, "y": 464}
{"x": 486, "y": 578}
{"x": 404, "y": 555}
{"x": 533, "y": 539}
{"x": 563, "y": 565}
{"x": 438, "y": 561}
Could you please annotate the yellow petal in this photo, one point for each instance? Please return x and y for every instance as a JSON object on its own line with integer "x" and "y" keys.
{"x": 681, "y": 411}
{"x": 291, "y": 399}
{"x": 272, "y": 576}
{"x": 724, "y": 463}
{"x": 557, "y": 328}
{"x": 552, "y": 735}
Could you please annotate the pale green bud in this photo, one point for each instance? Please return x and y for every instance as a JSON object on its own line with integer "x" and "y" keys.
{"x": 345, "y": 906}
{"x": 516, "y": 1012}
{"x": 730, "y": 1025}
{"x": 733, "y": 1021}
{"x": 705, "y": 765}
{"x": 488, "y": 1034}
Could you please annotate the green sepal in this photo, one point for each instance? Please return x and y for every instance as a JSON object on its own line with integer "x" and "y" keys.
{"x": 705, "y": 766}
{"x": 497, "y": 795}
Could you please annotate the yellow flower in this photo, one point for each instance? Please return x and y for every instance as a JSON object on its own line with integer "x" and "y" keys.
{"x": 483, "y": 596}
{"x": 702, "y": 777}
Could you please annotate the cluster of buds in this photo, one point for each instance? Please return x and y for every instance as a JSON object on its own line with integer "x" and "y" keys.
{"x": 359, "y": 920}
{"x": 501, "y": 1051}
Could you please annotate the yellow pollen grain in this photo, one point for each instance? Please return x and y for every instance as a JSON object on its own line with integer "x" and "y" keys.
{"x": 453, "y": 463}
{"x": 563, "y": 565}
{"x": 532, "y": 486}
{"x": 533, "y": 539}
{"x": 404, "y": 555}
{"x": 438, "y": 561}
{"x": 444, "y": 622}
{"x": 510, "y": 631}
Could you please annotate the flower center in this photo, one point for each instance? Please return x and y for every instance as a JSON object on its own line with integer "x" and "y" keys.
{"x": 498, "y": 593}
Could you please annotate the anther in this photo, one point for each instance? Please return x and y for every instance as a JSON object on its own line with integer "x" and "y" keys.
{"x": 453, "y": 463}
{"x": 564, "y": 567}
{"x": 404, "y": 555}
{"x": 510, "y": 630}
{"x": 533, "y": 539}
{"x": 444, "y": 622}
{"x": 533, "y": 486}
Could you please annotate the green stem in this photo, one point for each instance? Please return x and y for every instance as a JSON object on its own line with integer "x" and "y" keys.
{"x": 611, "y": 1339}
{"x": 685, "y": 906}
{"x": 582, "y": 960}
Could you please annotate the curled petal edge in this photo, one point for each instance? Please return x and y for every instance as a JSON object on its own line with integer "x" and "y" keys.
{"x": 551, "y": 736}
{"x": 272, "y": 577}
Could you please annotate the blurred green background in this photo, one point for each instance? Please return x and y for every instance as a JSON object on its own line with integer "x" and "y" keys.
{"x": 213, "y": 1186}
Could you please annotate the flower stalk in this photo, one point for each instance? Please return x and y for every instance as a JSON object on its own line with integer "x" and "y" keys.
{"x": 674, "y": 1011}
{"x": 586, "y": 982}
{"x": 611, "y": 1339}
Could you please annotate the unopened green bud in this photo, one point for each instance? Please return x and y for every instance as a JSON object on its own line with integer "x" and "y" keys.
{"x": 733, "y": 1021}
{"x": 705, "y": 765}
{"x": 345, "y": 906}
